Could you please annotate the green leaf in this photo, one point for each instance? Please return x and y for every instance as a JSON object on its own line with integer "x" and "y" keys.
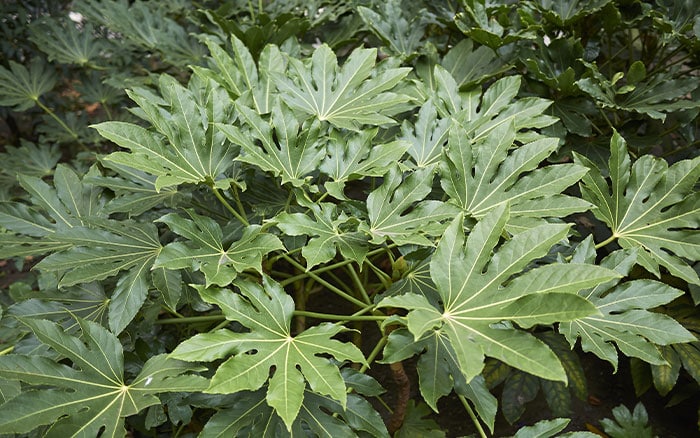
{"x": 469, "y": 66}
{"x": 68, "y": 397}
{"x": 239, "y": 75}
{"x": 397, "y": 209}
{"x": 428, "y": 137}
{"x": 349, "y": 96}
{"x": 623, "y": 317}
{"x": 249, "y": 415}
{"x": 543, "y": 428}
{"x": 205, "y": 249}
{"x": 519, "y": 389}
{"x": 626, "y": 423}
{"x": 289, "y": 149}
{"x": 352, "y": 156}
{"x": 65, "y": 43}
{"x": 186, "y": 148}
{"x": 477, "y": 296}
{"x": 330, "y": 232}
{"x": 403, "y": 37}
{"x": 20, "y": 88}
{"x": 649, "y": 206}
{"x": 267, "y": 311}
{"x": 416, "y": 424}
{"x": 115, "y": 247}
{"x": 481, "y": 176}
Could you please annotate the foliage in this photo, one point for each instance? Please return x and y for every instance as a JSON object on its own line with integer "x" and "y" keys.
{"x": 240, "y": 218}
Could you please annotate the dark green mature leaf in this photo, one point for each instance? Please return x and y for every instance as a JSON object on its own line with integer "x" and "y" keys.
{"x": 416, "y": 424}
{"x": 397, "y": 210}
{"x": 91, "y": 397}
{"x": 267, "y": 312}
{"x": 623, "y": 317}
{"x": 402, "y": 36}
{"x": 29, "y": 159}
{"x": 477, "y": 296}
{"x": 20, "y": 88}
{"x": 205, "y": 249}
{"x": 478, "y": 176}
{"x": 563, "y": 12}
{"x": 289, "y": 149}
{"x": 650, "y": 206}
{"x": 186, "y": 148}
{"x": 251, "y": 416}
{"x": 109, "y": 248}
{"x": 329, "y": 232}
{"x": 65, "y": 43}
{"x": 469, "y": 66}
{"x": 349, "y": 96}
{"x": 354, "y": 156}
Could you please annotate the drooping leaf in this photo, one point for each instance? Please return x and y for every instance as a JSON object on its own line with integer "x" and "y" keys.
{"x": 649, "y": 206}
{"x": 205, "y": 249}
{"x": 266, "y": 310}
{"x": 623, "y": 318}
{"x": 90, "y": 397}
{"x": 349, "y": 96}
{"x": 329, "y": 232}
{"x": 477, "y": 299}
{"x": 186, "y": 148}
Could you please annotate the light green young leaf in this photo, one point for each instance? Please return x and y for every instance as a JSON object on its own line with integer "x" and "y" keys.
{"x": 205, "y": 249}
{"x": 329, "y": 232}
{"x": 289, "y": 149}
{"x": 477, "y": 296}
{"x": 353, "y": 156}
{"x": 91, "y": 397}
{"x": 479, "y": 176}
{"x": 650, "y": 206}
{"x": 20, "y": 88}
{"x": 266, "y": 310}
{"x": 239, "y": 75}
{"x": 349, "y": 96}
{"x": 623, "y": 318}
{"x": 186, "y": 148}
{"x": 397, "y": 209}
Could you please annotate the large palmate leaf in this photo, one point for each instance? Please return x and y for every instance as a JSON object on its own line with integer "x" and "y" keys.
{"x": 623, "y": 318}
{"x": 289, "y": 149}
{"x": 91, "y": 397}
{"x": 186, "y": 148}
{"x": 478, "y": 176}
{"x": 20, "y": 88}
{"x": 349, "y": 96}
{"x": 402, "y": 37}
{"x": 206, "y": 251}
{"x": 650, "y": 206}
{"x": 398, "y": 210}
{"x": 106, "y": 249}
{"x": 266, "y": 310}
{"x": 354, "y": 156}
{"x": 249, "y": 415}
{"x": 330, "y": 232}
{"x": 239, "y": 75}
{"x": 479, "y": 298}
{"x": 64, "y": 43}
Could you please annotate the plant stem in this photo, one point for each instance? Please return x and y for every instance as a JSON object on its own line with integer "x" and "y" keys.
{"x": 7, "y": 350}
{"x": 331, "y": 317}
{"x": 358, "y": 284}
{"x": 606, "y": 242}
{"x": 228, "y": 206}
{"x": 473, "y": 416}
{"x": 56, "y": 118}
{"x": 320, "y": 280}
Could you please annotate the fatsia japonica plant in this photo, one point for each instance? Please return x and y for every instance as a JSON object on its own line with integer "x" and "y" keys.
{"x": 261, "y": 235}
